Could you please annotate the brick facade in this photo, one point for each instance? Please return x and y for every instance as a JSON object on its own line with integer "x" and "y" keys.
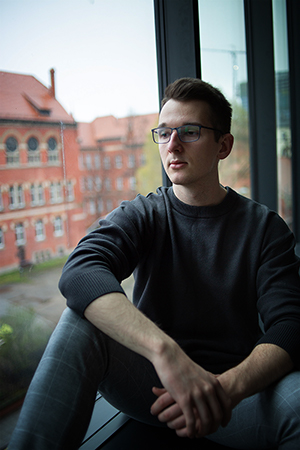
{"x": 57, "y": 177}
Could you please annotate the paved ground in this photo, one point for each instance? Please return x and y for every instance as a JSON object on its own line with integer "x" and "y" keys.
{"x": 42, "y": 294}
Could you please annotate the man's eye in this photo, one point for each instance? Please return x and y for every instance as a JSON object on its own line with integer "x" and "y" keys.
{"x": 164, "y": 133}
{"x": 189, "y": 131}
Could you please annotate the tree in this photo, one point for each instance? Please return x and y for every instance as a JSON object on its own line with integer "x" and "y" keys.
{"x": 149, "y": 176}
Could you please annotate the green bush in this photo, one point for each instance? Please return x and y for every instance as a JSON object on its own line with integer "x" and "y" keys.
{"x": 23, "y": 338}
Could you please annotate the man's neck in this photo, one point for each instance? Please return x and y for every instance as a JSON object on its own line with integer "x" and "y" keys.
{"x": 200, "y": 197}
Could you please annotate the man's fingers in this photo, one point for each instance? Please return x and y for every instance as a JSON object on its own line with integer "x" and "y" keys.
{"x": 170, "y": 414}
{"x": 190, "y": 419}
{"x": 177, "y": 424}
{"x": 164, "y": 400}
{"x": 161, "y": 409}
{"x": 158, "y": 391}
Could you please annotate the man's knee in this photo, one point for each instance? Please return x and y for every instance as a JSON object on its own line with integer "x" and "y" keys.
{"x": 285, "y": 405}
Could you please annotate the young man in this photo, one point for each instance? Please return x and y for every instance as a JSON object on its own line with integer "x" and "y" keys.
{"x": 189, "y": 351}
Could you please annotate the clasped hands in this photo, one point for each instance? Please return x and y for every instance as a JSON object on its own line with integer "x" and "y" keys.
{"x": 192, "y": 402}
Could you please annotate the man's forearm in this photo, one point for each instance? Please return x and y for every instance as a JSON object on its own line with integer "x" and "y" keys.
{"x": 117, "y": 317}
{"x": 188, "y": 384}
{"x": 266, "y": 364}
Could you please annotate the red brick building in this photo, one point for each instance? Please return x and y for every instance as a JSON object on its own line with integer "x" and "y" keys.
{"x": 40, "y": 199}
{"x": 111, "y": 150}
{"x": 57, "y": 177}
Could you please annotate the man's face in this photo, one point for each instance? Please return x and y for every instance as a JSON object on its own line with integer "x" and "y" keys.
{"x": 191, "y": 164}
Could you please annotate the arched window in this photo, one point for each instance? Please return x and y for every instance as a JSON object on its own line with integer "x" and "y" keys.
{"x": 52, "y": 150}
{"x": 12, "y": 150}
{"x": 33, "y": 150}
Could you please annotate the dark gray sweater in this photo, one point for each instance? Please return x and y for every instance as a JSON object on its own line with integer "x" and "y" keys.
{"x": 201, "y": 273}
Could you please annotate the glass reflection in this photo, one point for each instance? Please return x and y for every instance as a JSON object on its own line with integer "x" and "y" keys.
{"x": 223, "y": 64}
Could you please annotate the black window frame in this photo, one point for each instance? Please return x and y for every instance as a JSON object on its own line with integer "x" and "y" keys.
{"x": 178, "y": 55}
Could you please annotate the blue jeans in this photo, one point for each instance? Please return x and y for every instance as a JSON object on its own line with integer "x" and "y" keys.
{"x": 79, "y": 360}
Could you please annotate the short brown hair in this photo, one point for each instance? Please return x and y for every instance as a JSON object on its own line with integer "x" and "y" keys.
{"x": 188, "y": 89}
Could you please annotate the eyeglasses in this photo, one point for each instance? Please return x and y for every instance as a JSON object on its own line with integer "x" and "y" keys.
{"x": 186, "y": 133}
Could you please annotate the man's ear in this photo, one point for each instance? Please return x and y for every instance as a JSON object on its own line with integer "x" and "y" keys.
{"x": 226, "y": 142}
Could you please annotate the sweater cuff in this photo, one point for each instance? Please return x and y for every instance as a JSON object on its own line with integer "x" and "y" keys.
{"x": 87, "y": 287}
{"x": 285, "y": 335}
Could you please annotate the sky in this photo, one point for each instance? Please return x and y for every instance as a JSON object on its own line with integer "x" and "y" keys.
{"x": 103, "y": 52}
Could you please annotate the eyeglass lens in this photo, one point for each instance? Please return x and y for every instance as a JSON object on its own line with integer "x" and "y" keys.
{"x": 186, "y": 133}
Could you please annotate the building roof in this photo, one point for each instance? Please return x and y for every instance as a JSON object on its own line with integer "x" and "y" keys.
{"x": 23, "y": 97}
{"x": 132, "y": 129}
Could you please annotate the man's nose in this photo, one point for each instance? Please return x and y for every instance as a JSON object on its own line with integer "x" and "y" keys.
{"x": 174, "y": 143}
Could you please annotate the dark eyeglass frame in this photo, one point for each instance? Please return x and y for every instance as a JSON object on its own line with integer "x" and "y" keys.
{"x": 155, "y": 132}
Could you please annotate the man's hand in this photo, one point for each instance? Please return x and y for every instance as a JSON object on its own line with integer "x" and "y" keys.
{"x": 193, "y": 401}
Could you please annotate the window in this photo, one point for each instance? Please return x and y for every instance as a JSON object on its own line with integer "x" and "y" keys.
{"x": 118, "y": 162}
{"x": 100, "y": 206}
{"x": 12, "y": 151}
{"x": 58, "y": 226}
{"x": 106, "y": 162}
{"x": 39, "y": 230}
{"x": 283, "y": 124}
{"x": 56, "y": 192}
{"x": 132, "y": 183}
{"x": 16, "y": 197}
{"x": 131, "y": 161}
{"x": 20, "y": 234}
{"x": 33, "y": 151}
{"x": 70, "y": 191}
{"x": 90, "y": 183}
{"x": 98, "y": 184}
{"x": 120, "y": 184}
{"x": 52, "y": 150}
{"x": 37, "y": 195}
{"x": 223, "y": 64}
{"x": 40, "y": 194}
{"x": 88, "y": 162}
{"x": 1, "y": 201}
{"x": 50, "y": 162}
{"x": 92, "y": 207}
{"x": 33, "y": 199}
{"x": 1, "y": 238}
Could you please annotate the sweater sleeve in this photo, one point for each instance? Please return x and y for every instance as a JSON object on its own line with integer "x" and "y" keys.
{"x": 103, "y": 258}
{"x": 278, "y": 288}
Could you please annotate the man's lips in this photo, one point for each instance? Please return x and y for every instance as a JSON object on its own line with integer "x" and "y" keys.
{"x": 176, "y": 164}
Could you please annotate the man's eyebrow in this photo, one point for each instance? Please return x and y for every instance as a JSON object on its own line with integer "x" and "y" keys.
{"x": 161, "y": 125}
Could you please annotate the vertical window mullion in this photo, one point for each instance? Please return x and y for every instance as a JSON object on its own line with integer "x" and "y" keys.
{"x": 177, "y": 44}
{"x": 293, "y": 18}
{"x": 261, "y": 85}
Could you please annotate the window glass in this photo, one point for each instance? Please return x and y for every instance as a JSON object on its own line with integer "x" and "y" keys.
{"x": 20, "y": 234}
{"x": 52, "y": 150}
{"x": 223, "y": 64}
{"x": 95, "y": 103}
{"x": 284, "y": 147}
{"x": 33, "y": 152}
{"x": 1, "y": 238}
{"x": 39, "y": 230}
{"x": 12, "y": 154}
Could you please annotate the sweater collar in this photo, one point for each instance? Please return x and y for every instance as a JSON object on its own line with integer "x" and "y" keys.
{"x": 204, "y": 211}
